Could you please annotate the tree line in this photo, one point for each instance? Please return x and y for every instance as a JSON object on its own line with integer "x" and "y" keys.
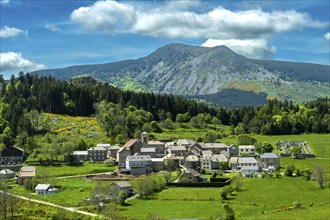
{"x": 23, "y": 97}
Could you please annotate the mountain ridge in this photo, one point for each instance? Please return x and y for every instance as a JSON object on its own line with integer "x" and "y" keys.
{"x": 193, "y": 70}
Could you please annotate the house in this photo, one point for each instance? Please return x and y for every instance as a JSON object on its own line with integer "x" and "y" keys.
{"x": 6, "y": 174}
{"x": 233, "y": 151}
{"x": 205, "y": 162}
{"x": 12, "y": 155}
{"x": 185, "y": 143}
{"x": 269, "y": 159}
{"x": 192, "y": 161}
{"x": 105, "y": 146}
{"x": 27, "y": 172}
{"x": 171, "y": 161}
{"x": 122, "y": 154}
{"x": 214, "y": 147}
{"x": 151, "y": 151}
{"x": 80, "y": 155}
{"x": 233, "y": 163}
{"x": 177, "y": 150}
{"x": 112, "y": 151}
{"x": 45, "y": 189}
{"x": 159, "y": 146}
{"x": 158, "y": 164}
{"x": 225, "y": 153}
{"x": 134, "y": 146}
{"x": 122, "y": 186}
{"x": 191, "y": 175}
{"x": 139, "y": 164}
{"x": 97, "y": 154}
{"x": 246, "y": 150}
{"x": 249, "y": 171}
{"x": 216, "y": 159}
{"x": 247, "y": 162}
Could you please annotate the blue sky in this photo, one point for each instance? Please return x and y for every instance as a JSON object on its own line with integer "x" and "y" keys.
{"x": 53, "y": 34}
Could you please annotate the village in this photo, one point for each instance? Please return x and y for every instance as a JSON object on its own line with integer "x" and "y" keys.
{"x": 144, "y": 156}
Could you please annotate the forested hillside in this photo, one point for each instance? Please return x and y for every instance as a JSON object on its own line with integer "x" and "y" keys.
{"x": 123, "y": 113}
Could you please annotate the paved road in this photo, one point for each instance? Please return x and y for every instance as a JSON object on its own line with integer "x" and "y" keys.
{"x": 54, "y": 205}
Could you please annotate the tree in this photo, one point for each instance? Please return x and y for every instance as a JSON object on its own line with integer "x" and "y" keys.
{"x": 98, "y": 195}
{"x": 237, "y": 182}
{"x": 122, "y": 196}
{"x": 145, "y": 186}
{"x": 147, "y": 128}
{"x": 168, "y": 123}
{"x": 295, "y": 151}
{"x": 224, "y": 165}
{"x": 155, "y": 127}
{"x": 180, "y": 118}
{"x": 319, "y": 175}
{"x": 225, "y": 191}
{"x": 245, "y": 140}
{"x": 229, "y": 212}
{"x": 289, "y": 170}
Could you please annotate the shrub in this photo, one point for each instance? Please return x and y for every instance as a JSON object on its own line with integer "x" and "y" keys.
{"x": 289, "y": 170}
{"x": 297, "y": 204}
{"x": 229, "y": 212}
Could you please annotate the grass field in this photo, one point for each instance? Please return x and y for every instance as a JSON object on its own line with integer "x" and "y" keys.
{"x": 71, "y": 170}
{"x": 189, "y": 133}
{"x": 73, "y": 192}
{"x": 259, "y": 199}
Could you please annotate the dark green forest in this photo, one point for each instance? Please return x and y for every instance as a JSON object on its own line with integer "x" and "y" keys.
{"x": 125, "y": 112}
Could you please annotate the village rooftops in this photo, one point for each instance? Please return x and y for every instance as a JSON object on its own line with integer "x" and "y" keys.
{"x": 247, "y": 160}
{"x": 6, "y": 171}
{"x": 183, "y": 141}
{"x": 155, "y": 143}
{"x": 82, "y": 153}
{"x": 192, "y": 158}
{"x": 148, "y": 150}
{"x": 96, "y": 148}
{"x": 219, "y": 158}
{"x": 213, "y": 145}
{"x": 269, "y": 156}
{"x": 116, "y": 147}
{"x": 233, "y": 160}
{"x": 130, "y": 143}
{"x": 177, "y": 148}
{"x": 246, "y": 146}
{"x": 42, "y": 186}
{"x": 103, "y": 145}
{"x": 122, "y": 184}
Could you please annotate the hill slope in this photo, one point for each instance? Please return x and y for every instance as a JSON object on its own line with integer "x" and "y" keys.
{"x": 193, "y": 70}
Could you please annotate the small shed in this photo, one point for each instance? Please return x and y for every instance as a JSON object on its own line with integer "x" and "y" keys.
{"x": 45, "y": 189}
{"x": 6, "y": 174}
{"x": 124, "y": 186}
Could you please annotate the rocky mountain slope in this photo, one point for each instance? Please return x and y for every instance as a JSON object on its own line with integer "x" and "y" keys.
{"x": 193, "y": 70}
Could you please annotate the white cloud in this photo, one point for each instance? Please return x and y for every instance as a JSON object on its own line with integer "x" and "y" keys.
{"x": 177, "y": 20}
{"x": 327, "y": 36}
{"x": 15, "y": 62}
{"x": 7, "y": 32}
{"x": 105, "y": 16}
{"x": 4, "y": 2}
{"x": 52, "y": 27}
{"x": 252, "y": 48}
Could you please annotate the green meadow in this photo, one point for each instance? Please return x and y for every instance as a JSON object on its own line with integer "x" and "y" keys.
{"x": 258, "y": 199}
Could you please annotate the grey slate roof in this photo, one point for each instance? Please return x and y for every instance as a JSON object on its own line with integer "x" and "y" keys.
{"x": 247, "y": 160}
{"x": 123, "y": 184}
{"x": 42, "y": 186}
{"x": 268, "y": 155}
{"x": 148, "y": 150}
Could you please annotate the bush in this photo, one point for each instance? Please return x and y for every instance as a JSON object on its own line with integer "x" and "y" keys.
{"x": 110, "y": 162}
{"x": 229, "y": 212}
{"x": 297, "y": 204}
{"x": 289, "y": 170}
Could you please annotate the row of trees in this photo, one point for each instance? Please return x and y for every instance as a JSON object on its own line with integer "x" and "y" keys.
{"x": 23, "y": 97}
